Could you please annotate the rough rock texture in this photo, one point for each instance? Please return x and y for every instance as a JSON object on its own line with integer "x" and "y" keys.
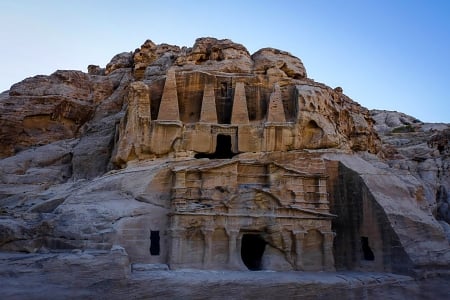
{"x": 421, "y": 150}
{"x": 76, "y": 275}
{"x": 274, "y": 61}
{"x": 186, "y": 157}
{"x": 266, "y": 95}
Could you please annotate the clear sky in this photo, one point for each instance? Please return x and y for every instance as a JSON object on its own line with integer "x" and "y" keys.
{"x": 385, "y": 54}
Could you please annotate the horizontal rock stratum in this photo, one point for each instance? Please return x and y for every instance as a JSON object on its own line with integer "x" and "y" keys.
{"x": 213, "y": 158}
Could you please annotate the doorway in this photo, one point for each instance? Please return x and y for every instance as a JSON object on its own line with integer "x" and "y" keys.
{"x": 367, "y": 252}
{"x": 223, "y": 149}
{"x": 252, "y": 250}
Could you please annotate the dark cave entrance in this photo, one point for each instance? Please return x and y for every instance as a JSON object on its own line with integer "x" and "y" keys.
{"x": 252, "y": 249}
{"x": 223, "y": 149}
{"x": 367, "y": 252}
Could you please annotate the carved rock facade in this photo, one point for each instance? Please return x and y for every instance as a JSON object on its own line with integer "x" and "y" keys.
{"x": 235, "y": 113}
{"x": 248, "y": 214}
{"x": 239, "y": 105}
{"x": 209, "y": 157}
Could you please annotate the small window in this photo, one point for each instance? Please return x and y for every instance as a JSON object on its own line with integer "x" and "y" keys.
{"x": 154, "y": 242}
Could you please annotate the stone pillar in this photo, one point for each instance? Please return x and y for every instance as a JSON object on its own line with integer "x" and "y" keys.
{"x": 233, "y": 258}
{"x": 238, "y": 252}
{"x": 176, "y": 235}
{"x": 208, "y": 113}
{"x": 168, "y": 108}
{"x": 207, "y": 257}
{"x": 275, "y": 110}
{"x": 328, "y": 257}
{"x": 135, "y": 133}
{"x": 239, "y": 114}
{"x": 299, "y": 236}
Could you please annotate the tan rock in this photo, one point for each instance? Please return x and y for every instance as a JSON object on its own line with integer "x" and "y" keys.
{"x": 275, "y": 109}
{"x": 279, "y": 63}
{"x": 44, "y": 109}
{"x": 143, "y": 57}
{"x": 227, "y": 56}
{"x": 239, "y": 114}
{"x": 151, "y": 58}
{"x": 168, "y": 109}
{"x": 137, "y": 127}
{"x": 95, "y": 70}
{"x": 219, "y": 160}
{"x": 122, "y": 60}
{"x": 200, "y": 140}
{"x": 208, "y": 113}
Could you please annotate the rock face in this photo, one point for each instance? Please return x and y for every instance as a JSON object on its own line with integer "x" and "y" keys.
{"x": 263, "y": 102}
{"x": 421, "y": 150}
{"x": 211, "y": 158}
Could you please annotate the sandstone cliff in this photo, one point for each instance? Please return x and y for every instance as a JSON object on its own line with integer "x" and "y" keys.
{"x": 104, "y": 158}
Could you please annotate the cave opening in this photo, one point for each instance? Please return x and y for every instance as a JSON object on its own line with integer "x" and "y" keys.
{"x": 367, "y": 252}
{"x": 252, "y": 250}
{"x": 223, "y": 149}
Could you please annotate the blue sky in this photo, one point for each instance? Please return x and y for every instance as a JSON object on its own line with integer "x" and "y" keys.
{"x": 392, "y": 55}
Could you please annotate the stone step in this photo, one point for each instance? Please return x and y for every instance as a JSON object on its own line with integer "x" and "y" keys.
{"x": 139, "y": 267}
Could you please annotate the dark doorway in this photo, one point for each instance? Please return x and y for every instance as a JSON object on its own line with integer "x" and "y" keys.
{"x": 252, "y": 249}
{"x": 223, "y": 149}
{"x": 154, "y": 242}
{"x": 367, "y": 252}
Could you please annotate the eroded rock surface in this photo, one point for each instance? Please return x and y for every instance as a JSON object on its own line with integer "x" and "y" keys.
{"x": 209, "y": 157}
{"x": 421, "y": 150}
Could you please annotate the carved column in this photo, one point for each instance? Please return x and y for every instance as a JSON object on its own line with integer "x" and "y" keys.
{"x": 239, "y": 251}
{"x": 176, "y": 235}
{"x": 233, "y": 259}
{"x": 299, "y": 237}
{"x": 328, "y": 257}
{"x": 208, "y": 234}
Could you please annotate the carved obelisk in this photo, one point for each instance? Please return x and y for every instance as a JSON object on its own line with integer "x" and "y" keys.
{"x": 208, "y": 114}
{"x": 168, "y": 108}
{"x": 239, "y": 114}
{"x": 275, "y": 111}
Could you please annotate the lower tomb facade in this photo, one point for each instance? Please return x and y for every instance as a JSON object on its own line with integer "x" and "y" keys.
{"x": 241, "y": 215}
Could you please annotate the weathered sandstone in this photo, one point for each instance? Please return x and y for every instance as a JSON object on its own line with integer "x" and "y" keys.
{"x": 212, "y": 158}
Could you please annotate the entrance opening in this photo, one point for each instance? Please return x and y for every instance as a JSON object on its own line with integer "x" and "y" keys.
{"x": 252, "y": 249}
{"x": 154, "y": 242}
{"x": 223, "y": 149}
{"x": 367, "y": 252}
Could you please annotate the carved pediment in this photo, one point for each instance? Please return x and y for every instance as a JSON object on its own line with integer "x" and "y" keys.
{"x": 253, "y": 199}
